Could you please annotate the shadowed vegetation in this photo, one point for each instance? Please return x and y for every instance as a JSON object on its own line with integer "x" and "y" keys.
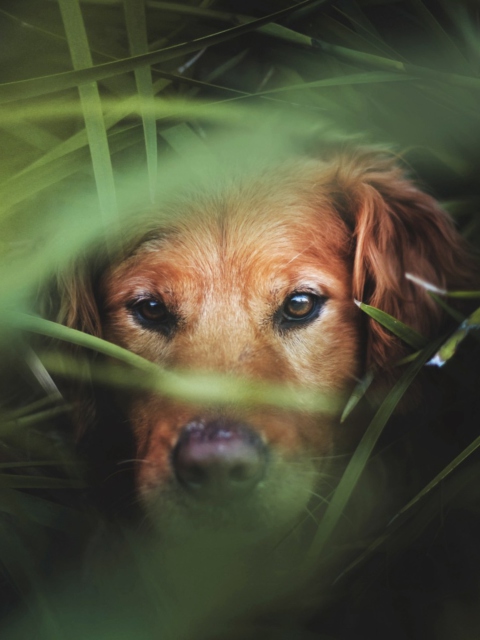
{"x": 109, "y": 105}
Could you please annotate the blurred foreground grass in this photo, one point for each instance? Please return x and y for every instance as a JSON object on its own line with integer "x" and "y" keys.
{"x": 106, "y": 106}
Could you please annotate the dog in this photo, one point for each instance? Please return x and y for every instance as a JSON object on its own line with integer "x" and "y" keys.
{"x": 255, "y": 275}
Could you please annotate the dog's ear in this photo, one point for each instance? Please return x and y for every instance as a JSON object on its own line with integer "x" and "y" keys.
{"x": 73, "y": 301}
{"x": 397, "y": 229}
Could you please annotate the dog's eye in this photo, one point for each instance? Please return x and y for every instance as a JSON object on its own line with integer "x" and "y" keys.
{"x": 153, "y": 314}
{"x": 300, "y": 307}
{"x": 151, "y": 310}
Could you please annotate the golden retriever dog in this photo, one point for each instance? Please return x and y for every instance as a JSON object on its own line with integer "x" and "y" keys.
{"x": 257, "y": 277}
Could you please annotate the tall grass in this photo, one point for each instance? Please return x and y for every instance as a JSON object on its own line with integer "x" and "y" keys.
{"x": 105, "y": 101}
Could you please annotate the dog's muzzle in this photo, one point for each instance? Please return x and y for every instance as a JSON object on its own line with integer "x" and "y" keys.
{"x": 219, "y": 460}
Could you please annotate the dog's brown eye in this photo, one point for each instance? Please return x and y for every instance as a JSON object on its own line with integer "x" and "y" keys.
{"x": 300, "y": 308}
{"x": 153, "y": 314}
{"x": 152, "y": 310}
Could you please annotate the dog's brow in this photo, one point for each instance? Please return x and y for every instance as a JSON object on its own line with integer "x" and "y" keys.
{"x": 151, "y": 236}
{"x": 300, "y": 253}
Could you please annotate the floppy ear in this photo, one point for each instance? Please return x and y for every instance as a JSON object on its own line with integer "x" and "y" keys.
{"x": 72, "y": 300}
{"x": 397, "y": 229}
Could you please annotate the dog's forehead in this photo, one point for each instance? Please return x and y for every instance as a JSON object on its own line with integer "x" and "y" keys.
{"x": 277, "y": 237}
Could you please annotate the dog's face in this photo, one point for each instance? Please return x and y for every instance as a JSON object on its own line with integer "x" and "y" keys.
{"x": 258, "y": 280}
{"x": 228, "y": 287}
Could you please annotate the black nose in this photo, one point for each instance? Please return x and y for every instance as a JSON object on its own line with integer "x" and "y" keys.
{"x": 219, "y": 460}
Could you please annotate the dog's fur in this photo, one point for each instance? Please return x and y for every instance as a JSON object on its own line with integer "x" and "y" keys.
{"x": 224, "y": 261}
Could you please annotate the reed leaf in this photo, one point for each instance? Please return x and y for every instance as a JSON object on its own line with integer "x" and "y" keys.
{"x": 362, "y": 453}
{"x": 398, "y": 328}
{"x": 137, "y": 37}
{"x": 23, "y": 89}
{"x": 92, "y": 110}
{"x": 408, "y": 511}
{"x": 14, "y": 481}
{"x": 388, "y": 64}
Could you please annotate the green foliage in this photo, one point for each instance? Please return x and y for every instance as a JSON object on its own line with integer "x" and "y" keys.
{"x": 108, "y": 104}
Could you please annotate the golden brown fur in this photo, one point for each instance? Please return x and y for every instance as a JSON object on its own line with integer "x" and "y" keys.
{"x": 345, "y": 227}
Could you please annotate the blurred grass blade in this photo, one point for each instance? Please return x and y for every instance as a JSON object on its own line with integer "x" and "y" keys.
{"x": 362, "y": 453}
{"x": 274, "y": 30}
{"x": 357, "y": 394}
{"x": 399, "y": 329}
{"x": 137, "y": 37}
{"x": 453, "y": 313}
{"x": 355, "y": 78}
{"x": 79, "y": 140}
{"x": 196, "y": 387}
{"x": 21, "y": 464}
{"x": 428, "y": 286}
{"x": 450, "y": 348}
{"x": 447, "y": 45}
{"x": 73, "y": 336}
{"x": 40, "y": 511}
{"x": 14, "y": 481}
{"x": 186, "y": 142}
{"x": 23, "y": 422}
{"x": 31, "y": 133}
{"x": 354, "y": 14}
{"x": 465, "y": 295}
{"x": 458, "y": 460}
{"x": 92, "y": 110}
{"x": 361, "y": 58}
{"x": 400, "y": 518}
{"x": 47, "y": 84}
{"x": 32, "y": 407}
{"x": 437, "y": 294}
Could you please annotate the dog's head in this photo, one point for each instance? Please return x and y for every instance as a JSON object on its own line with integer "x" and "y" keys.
{"x": 257, "y": 278}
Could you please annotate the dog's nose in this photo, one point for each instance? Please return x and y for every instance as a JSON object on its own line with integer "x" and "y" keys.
{"x": 219, "y": 460}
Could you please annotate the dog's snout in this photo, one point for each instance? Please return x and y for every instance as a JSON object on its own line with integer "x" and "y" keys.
{"x": 219, "y": 460}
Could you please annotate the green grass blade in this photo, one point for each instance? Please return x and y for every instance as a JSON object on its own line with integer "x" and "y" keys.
{"x": 33, "y": 407}
{"x": 47, "y": 84}
{"x": 185, "y": 142}
{"x": 196, "y": 12}
{"x": 195, "y": 387}
{"x": 277, "y": 31}
{"x": 21, "y": 464}
{"x": 450, "y": 348}
{"x": 13, "y": 481}
{"x": 10, "y": 426}
{"x": 40, "y": 511}
{"x": 355, "y": 57}
{"x": 440, "y": 477}
{"x": 368, "y": 77}
{"x": 401, "y": 517}
{"x": 357, "y": 394}
{"x": 137, "y": 37}
{"x": 51, "y": 329}
{"x": 118, "y": 112}
{"x": 32, "y": 133}
{"x": 428, "y": 286}
{"x": 362, "y": 453}
{"x": 92, "y": 110}
{"x": 399, "y": 329}
{"x": 465, "y": 295}
{"x": 352, "y": 11}
{"x": 444, "y": 40}
{"x": 359, "y": 35}
{"x": 199, "y": 388}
